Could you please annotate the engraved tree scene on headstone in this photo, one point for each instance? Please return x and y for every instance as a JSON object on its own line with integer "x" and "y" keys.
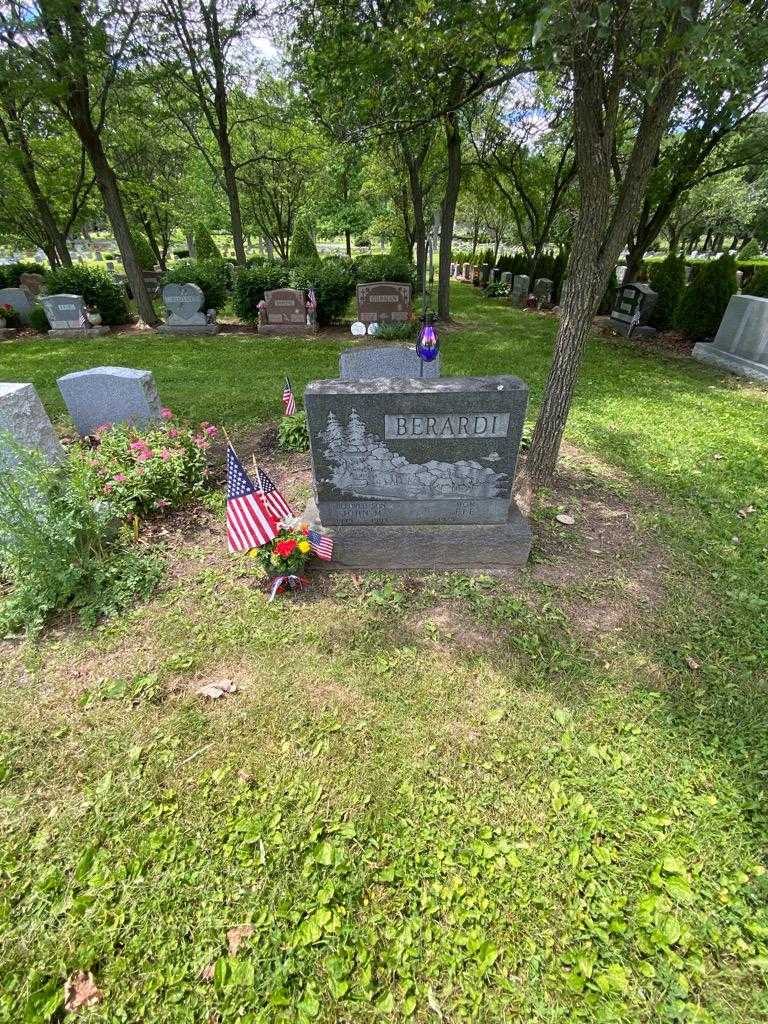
{"x": 363, "y": 465}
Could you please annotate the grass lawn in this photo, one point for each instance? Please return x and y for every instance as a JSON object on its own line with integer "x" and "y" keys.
{"x": 538, "y": 796}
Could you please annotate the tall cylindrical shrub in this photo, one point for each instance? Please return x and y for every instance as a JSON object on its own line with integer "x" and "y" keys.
{"x": 704, "y": 301}
{"x": 668, "y": 280}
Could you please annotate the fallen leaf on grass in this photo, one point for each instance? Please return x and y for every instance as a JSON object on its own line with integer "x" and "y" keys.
{"x": 215, "y": 690}
{"x": 692, "y": 664}
{"x": 565, "y": 519}
{"x": 81, "y": 990}
{"x": 718, "y": 456}
{"x": 206, "y": 974}
{"x": 746, "y": 511}
{"x": 236, "y": 935}
{"x": 244, "y": 777}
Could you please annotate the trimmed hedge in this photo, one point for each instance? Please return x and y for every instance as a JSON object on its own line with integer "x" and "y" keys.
{"x": 96, "y": 287}
{"x": 205, "y": 247}
{"x": 259, "y": 276}
{"x": 384, "y": 268}
{"x": 210, "y": 275}
{"x": 757, "y": 284}
{"x": 303, "y": 248}
{"x": 668, "y": 280}
{"x": 334, "y": 282}
{"x": 704, "y": 301}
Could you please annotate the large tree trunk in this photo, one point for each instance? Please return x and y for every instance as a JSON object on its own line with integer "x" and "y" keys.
{"x": 233, "y": 199}
{"x": 448, "y": 214}
{"x": 113, "y": 204}
{"x": 419, "y": 228}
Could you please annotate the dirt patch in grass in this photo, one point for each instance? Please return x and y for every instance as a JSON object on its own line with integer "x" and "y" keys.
{"x": 449, "y": 625}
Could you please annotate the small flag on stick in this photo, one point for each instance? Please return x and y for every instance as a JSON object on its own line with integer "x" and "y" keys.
{"x": 250, "y": 522}
{"x": 321, "y": 544}
{"x": 271, "y": 496}
{"x": 289, "y": 402}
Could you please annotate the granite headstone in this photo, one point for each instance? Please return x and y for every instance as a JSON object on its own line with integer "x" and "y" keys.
{"x": 22, "y": 416}
{"x": 383, "y": 302}
{"x": 184, "y": 304}
{"x": 20, "y": 299}
{"x": 109, "y": 394}
{"x": 632, "y": 307}
{"x": 385, "y": 361}
{"x": 741, "y": 342}
{"x": 542, "y": 289}
{"x": 521, "y": 284}
{"x": 419, "y": 472}
{"x": 68, "y": 317}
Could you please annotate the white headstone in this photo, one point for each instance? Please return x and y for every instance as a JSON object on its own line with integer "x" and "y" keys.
{"x": 65, "y": 312}
{"x": 184, "y": 303}
{"x": 741, "y": 342}
{"x": 20, "y": 299}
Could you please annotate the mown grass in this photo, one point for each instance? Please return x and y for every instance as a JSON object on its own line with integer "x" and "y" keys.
{"x": 432, "y": 798}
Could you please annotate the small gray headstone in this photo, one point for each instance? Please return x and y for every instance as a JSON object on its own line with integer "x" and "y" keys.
{"x": 65, "y": 312}
{"x": 20, "y": 299}
{"x": 184, "y": 303}
{"x": 401, "y": 361}
{"x": 286, "y": 306}
{"x": 542, "y": 289}
{"x": 506, "y": 279}
{"x": 632, "y": 306}
{"x": 741, "y": 342}
{"x": 520, "y": 286}
{"x": 22, "y": 415}
{"x": 109, "y": 394}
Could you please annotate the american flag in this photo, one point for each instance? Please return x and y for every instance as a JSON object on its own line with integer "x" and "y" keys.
{"x": 312, "y": 298}
{"x": 250, "y": 522}
{"x": 272, "y": 497}
{"x": 289, "y": 402}
{"x": 321, "y": 544}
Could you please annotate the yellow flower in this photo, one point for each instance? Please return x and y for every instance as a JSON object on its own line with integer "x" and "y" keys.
{"x": 253, "y": 552}
{"x": 304, "y": 546}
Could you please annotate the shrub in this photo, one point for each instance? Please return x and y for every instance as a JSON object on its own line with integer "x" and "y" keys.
{"x": 668, "y": 280}
{"x": 303, "y": 248}
{"x": 399, "y": 247}
{"x": 334, "y": 282}
{"x": 60, "y": 549}
{"x": 212, "y": 276}
{"x": 704, "y": 301}
{"x": 205, "y": 247}
{"x": 143, "y": 251}
{"x": 292, "y": 433}
{"x": 406, "y": 331}
{"x": 97, "y": 288}
{"x": 10, "y": 274}
{"x": 39, "y": 320}
{"x": 147, "y": 470}
{"x": 751, "y": 251}
{"x": 261, "y": 275}
{"x": 384, "y": 268}
{"x": 757, "y": 284}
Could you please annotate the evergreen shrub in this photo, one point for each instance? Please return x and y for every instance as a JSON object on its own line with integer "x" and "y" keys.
{"x": 96, "y": 287}
{"x": 668, "y": 280}
{"x": 704, "y": 301}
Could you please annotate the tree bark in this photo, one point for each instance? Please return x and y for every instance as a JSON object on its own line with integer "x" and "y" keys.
{"x": 448, "y": 214}
{"x": 348, "y": 241}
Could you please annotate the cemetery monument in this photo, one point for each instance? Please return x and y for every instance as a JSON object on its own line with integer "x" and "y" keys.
{"x": 109, "y": 394}
{"x": 371, "y": 361}
{"x": 418, "y": 472}
{"x": 631, "y": 308}
{"x": 383, "y": 302}
{"x": 22, "y": 416}
{"x": 69, "y": 318}
{"x": 741, "y": 342}
{"x": 184, "y": 303}
{"x": 285, "y": 311}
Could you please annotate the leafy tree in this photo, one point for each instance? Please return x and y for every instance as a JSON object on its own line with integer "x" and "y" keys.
{"x": 751, "y": 251}
{"x": 338, "y": 201}
{"x": 64, "y": 50}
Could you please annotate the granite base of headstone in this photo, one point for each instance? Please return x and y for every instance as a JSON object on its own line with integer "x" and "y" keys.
{"x": 401, "y": 361}
{"x": 23, "y": 417}
{"x": 68, "y": 317}
{"x": 418, "y": 473}
{"x": 741, "y": 342}
{"x": 184, "y": 304}
{"x": 110, "y": 394}
{"x": 283, "y": 311}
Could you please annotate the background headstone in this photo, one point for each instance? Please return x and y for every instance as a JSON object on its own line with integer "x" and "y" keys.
{"x": 285, "y": 313}
{"x": 506, "y": 279}
{"x": 741, "y": 342}
{"x": 22, "y": 415}
{"x": 109, "y": 394}
{"x": 184, "y": 303}
{"x": 32, "y": 282}
{"x": 520, "y": 286}
{"x": 65, "y": 312}
{"x": 631, "y": 299}
{"x": 20, "y": 299}
{"x": 384, "y": 302}
{"x": 385, "y": 361}
{"x": 419, "y": 472}
{"x": 542, "y": 289}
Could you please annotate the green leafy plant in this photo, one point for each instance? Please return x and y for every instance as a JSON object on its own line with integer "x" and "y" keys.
{"x": 407, "y": 330}
{"x": 143, "y": 250}
{"x": 668, "y": 280}
{"x": 148, "y": 470}
{"x": 704, "y": 301}
{"x": 292, "y": 433}
{"x": 60, "y": 548}
{"x": 334, "y": 282}
{"x": 751, "y": 250}
{"x": 757, "y": 284}
{"x": 399, "y": 247}
{"x": 261, "y": 275}
{"x": 211, "y": 275}
{"x": 205, "y": 246}
{"x": 10, "y": 273}
{"x": 384, "y": 268}
{"x": 39, "y": 320}
{"x": 303, "y": 248}
{"x": 97, "y": 288}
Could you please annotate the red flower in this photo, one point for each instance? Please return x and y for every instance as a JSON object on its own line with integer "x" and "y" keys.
{"x": 285, "y": 547}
